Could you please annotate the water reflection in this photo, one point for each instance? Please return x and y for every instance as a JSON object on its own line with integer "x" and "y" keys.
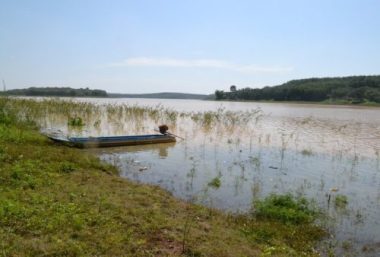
{"x": 157, "y": 150}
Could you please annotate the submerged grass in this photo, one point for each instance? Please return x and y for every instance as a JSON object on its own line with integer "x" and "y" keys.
{"x": 58, "y": 201}
{"x": 341, "y": 201}
{"x": 78, "y": 114}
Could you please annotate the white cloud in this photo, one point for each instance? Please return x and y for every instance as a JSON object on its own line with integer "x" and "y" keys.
{"x": 170, "y": 62}
{"x": 258, "y": 69}
{"x": 198, "y": 63}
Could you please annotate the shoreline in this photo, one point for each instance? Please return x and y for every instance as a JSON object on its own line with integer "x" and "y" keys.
{"x": 322, "y": 103}
{"x": 62, "y": 201}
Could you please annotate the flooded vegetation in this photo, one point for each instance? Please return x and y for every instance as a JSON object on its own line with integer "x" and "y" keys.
{"x": 235, "y": 155}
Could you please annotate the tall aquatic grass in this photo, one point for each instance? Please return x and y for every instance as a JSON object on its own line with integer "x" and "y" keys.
{"x": 225, "y": 118}
{"x": 217, "y": 126}
{"x": 54, "y": 111}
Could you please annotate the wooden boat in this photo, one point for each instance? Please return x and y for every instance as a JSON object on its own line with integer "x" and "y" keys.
{"x": 113, "y": 140}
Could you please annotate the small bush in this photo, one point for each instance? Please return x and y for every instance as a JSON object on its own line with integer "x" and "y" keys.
{"x": 215, "y": 182}
{"x": 285, "y": 208}
{"x": 75, "y": 122}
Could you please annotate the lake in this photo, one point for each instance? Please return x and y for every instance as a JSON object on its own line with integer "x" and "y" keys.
{"x": 237, "y": 152}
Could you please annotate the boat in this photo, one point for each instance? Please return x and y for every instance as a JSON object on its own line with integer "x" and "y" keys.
{"x": 109, "y": 141}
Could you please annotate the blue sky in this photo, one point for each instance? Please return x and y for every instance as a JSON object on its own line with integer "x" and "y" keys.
{"x": 185, "y": 46}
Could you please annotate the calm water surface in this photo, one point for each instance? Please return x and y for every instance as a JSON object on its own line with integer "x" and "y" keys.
{"x": 317, "y": 151}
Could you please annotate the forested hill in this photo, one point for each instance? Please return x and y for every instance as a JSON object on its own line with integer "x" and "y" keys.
{"x": 57, "y": 91}
{"x": 354, "y": 89}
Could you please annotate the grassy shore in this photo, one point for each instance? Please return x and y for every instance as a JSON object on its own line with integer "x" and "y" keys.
{"x": 58, "y": 201}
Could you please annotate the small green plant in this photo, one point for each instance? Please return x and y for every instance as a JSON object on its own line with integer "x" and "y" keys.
{"x": 16, "y": 174}
{"x": 75, "y": 122}
{"x": 306, "y": 152}
{"x": 268, "y": 251}
{"x": 341, "y": 201}
{"x": 67, "y": 167}
{"x": 264, "y": 235}
{"x": 285, "y": 208}
{"x": 97, "y": 123}
{"x": 215, "y": 182}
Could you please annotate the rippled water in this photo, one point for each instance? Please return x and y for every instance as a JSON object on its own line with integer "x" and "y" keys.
{"x": 316, "y": 151}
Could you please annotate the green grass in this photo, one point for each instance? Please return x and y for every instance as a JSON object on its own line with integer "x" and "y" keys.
{"x": 60, "y": 201}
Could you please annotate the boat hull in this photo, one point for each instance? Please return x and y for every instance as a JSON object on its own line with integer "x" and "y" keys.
{"x": 92, "y": 142}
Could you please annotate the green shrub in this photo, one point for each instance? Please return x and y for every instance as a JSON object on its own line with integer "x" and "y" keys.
{"x": 285, "y": 208}
{"x": 215, "y": 182}
{"x": 75, "y": 122}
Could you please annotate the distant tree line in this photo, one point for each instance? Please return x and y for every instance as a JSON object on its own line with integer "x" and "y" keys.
{"x": 354, "y": 89}
{"x": 163, "y": 95}
{"x": 57, "y": 91}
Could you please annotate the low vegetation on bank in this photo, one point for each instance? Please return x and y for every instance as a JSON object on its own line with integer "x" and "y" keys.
{"x": 56, "y": 91}
{"x": 59, "y": 201}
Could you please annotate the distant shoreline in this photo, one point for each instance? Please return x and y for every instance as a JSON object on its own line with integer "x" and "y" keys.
{"x": 323, "y": 103}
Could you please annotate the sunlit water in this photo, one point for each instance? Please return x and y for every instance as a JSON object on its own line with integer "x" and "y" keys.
{"x": 316, "y": 151}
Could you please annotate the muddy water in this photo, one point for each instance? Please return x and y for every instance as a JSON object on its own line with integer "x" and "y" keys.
{"x": 318, "y": 151}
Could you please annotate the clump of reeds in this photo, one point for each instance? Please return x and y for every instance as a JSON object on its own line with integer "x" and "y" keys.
{"x": 227, "y": 119}
{"x": 341, "y": 201}
{"x": 75, "y": 122}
